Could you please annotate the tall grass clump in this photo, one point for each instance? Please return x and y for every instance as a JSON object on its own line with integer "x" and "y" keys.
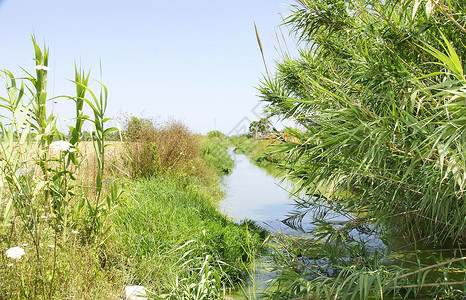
{"x": 180, "y": 246}
{"x": 154, "y": 149}
{"x": 51, "y": 227}
{"x": 378, "y": 87}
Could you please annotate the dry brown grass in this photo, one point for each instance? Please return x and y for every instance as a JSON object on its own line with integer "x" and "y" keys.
{"x": 152, "y": 150}
{"x": 147, "y": 151}
{"x": 115, "y": 166}
{"x": 79, "y": 270}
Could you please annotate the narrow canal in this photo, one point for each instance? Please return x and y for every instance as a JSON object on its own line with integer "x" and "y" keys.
{"x": 253, "y": 194}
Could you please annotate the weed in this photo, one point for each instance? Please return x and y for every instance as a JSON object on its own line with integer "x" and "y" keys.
{"x": 41, "y": 199}
{"x": 167, "y": 218}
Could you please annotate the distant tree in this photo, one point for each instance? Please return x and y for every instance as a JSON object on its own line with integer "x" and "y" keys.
{"x": 86, "y": 136}
{"x": 260, "y": 126}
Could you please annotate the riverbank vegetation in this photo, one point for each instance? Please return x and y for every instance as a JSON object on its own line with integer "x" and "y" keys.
{"x": 83, "y": 219}
{"x": 214, "y": 152}
{"x": 258, "y": 150}
{"x": 378, "y": 91}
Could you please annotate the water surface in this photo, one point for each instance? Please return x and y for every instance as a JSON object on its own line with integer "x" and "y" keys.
{"x": 253, "y": 194}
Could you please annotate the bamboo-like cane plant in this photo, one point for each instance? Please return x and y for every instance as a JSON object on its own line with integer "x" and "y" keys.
{"x": 379, "y": 91}
{"x": 39, "y": 192}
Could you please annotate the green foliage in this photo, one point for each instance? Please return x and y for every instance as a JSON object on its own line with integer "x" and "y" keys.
{"x": 40, "y": 200}
{"x": 379, "y": 88}
{"x": 214, "y": 152}
{"x": 216, "y": 134}
{"x": 244, "y": 144}
{"x": 170, "y": 226}
{"x": 259, "y": 151}
{"x": 259, "y": 126}
{"x": 153, "y": 150}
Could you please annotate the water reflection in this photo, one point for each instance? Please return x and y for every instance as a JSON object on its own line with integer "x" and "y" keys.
{"x": 253, "y": 194}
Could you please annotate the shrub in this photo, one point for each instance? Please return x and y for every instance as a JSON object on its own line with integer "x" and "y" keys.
{"x": 215, "y": 153}
{"x": 152, "y": 150}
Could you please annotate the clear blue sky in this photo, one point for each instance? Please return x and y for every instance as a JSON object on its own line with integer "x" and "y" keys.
{"x": 195, "y": 61}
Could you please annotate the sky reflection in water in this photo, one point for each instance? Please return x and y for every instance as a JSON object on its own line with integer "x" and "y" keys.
{"x": 253, "y": 194}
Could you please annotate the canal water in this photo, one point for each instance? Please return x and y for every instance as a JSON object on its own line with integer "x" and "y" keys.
{"x": 253, "y": 194}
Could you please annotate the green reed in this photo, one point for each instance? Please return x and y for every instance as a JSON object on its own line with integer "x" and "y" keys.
{"x": 42, "y": 204}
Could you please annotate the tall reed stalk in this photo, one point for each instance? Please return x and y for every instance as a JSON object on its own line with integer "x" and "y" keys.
{"x": 378, "y": 92}
{"x": 38, "y": 166}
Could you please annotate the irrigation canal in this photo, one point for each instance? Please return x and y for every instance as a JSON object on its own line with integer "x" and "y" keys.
{"x": 253, "y": 194}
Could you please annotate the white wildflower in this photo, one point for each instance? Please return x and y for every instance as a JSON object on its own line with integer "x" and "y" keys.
{"x": 10, "y": 265}
{"x": 41, "y": 67}
{"x": 25, "y": 245}
{"x": 60, "y": 146}
{"x": 203, "y": 232}
{"x": 15, "y": 252}
{"x": 74, "y": 231}
{"x": 21, "y": 172}
{"x": 43, "y": 217}
{"x": 51, "y": 246}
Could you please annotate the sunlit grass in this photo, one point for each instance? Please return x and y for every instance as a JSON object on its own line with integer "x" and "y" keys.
{"x": 169, "y": 226}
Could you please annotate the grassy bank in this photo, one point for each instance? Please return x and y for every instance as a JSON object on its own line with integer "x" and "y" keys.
{"x": 260, "y": 152}
{"x": 214, "y": 152}
{"x": 164, "y": 232}
{"x": 72, "y": 228}
{"x": 177, "y": 242}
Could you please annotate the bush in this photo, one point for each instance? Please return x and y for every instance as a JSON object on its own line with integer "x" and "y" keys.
{"x": 152, "y": 150}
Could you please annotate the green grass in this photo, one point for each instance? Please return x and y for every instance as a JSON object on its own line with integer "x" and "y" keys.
{"x": 64, "y": 237}
{"x": 245, "y": 145}
{"x": 170, "y": 228}
{"x": 215, "y": 154}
